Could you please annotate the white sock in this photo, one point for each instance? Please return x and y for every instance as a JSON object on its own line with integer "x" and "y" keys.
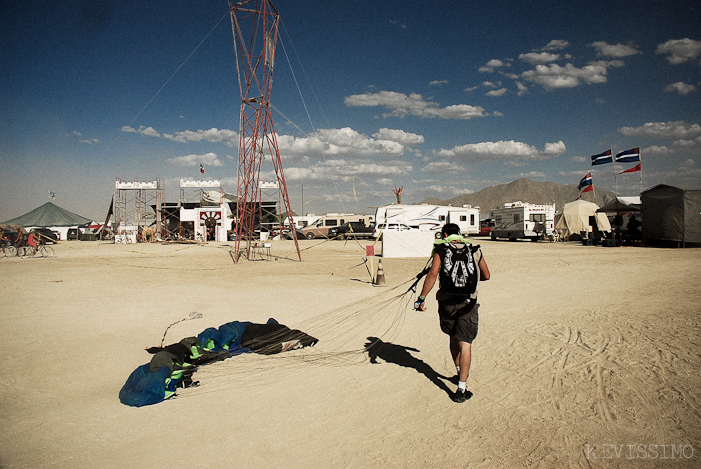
{"x": 462, "y": 386}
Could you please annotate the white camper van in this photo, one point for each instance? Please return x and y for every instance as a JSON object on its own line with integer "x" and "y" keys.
{"x": 430, "y": 217}
{"x": 523, "y": 220}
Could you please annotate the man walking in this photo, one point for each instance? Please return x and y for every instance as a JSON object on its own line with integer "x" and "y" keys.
{"x": 458, "y": 267}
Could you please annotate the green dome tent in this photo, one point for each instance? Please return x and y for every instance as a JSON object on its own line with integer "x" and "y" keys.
{"x": 47, "y": 216}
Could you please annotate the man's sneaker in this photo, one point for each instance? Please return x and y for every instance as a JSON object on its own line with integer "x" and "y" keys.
{"x": 461, "y": 395}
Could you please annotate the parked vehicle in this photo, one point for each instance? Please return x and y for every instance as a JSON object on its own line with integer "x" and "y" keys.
{"x": 430, "y": 217}
{"x": 486, "y": 226}
{"x": 523, "y": 220}
{"x": 379, "y": 229}
{"x": 352, "y": 229}
{"x": 320, "y": 228}
{"x": 74, "y": 233}
{"x": 47, "y": 236}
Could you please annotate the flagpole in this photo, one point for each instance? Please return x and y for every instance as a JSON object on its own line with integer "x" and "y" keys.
{"x": 615, "y": 176}
{"x": 640, "y": 157}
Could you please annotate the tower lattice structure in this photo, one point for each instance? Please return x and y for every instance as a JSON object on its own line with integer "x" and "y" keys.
{"x": 255, "y": 28}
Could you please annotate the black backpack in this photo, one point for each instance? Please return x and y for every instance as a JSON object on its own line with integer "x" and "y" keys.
{"x": 458, "y": 274}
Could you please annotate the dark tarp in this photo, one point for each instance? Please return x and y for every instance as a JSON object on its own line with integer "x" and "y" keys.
{"x": 622, "y": 205}
{"x": 671, "y": 214}
{"x": 48, "y": 215}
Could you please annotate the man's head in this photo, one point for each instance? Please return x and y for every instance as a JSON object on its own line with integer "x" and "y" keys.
{"x": 450, "y": 229}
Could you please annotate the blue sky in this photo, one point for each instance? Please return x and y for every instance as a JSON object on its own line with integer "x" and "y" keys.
{"x": 441, "y": 98}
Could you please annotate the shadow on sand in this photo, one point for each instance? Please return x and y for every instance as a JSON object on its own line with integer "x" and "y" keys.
{"x": 399, "y": 355}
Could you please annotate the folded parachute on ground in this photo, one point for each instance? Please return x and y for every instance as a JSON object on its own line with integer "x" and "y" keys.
{"x": 172, "y": 366}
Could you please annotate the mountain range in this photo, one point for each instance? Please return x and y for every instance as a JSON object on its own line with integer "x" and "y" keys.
{"x": 524, "y": 190}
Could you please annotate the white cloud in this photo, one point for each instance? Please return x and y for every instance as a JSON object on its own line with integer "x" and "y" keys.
{"x": 438, "y": 83}
{"x": 556, "y": 44}
{"x": 208, "y": 159}
{"x": 680, "y": 87}
{"x": 664, "y": 130}
{"x": 618, "y": 51}
{"x": 554, "y": 76}
{"x": 679, "y": 51}
{"x": 443, "y": 167}
{"x": 502, "y": 151}
{"x": 148, "y": 131}
{"x": 492, "y": 65}
{"x": 328, "y": 171}
{"x": 212, "y": 135}
{"x": 348, "y": 143}
{"x": 657, "y": 150}
{"x": 399, "y": 136}
{"x": 535, "y": 58}
{"x": 530, "y": 175}
{"x": 496, "y": 93}
{"x": 687, "y": 165}
{"x": 401, "y": 105}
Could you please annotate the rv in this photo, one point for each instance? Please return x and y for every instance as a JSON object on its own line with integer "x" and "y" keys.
{"x": 320, "y": 228}
{"x": 430, "y": 217}
{"x": 523, "y": 220}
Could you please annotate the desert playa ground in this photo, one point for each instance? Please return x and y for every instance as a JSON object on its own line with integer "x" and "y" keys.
{"x": 586, "y": 357}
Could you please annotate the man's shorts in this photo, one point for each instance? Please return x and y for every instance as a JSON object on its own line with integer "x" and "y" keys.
{"x": 459, "y": 321}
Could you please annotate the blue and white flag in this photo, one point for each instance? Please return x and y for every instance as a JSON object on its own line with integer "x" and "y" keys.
{"x": 601, "y": 158}
{"x": 585, "y": 181}
{"x": 628, "y": 156}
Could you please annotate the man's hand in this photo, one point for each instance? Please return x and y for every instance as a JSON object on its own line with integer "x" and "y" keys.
{"x": 420, "y": 304}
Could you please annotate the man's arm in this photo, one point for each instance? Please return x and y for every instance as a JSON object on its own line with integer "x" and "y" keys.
{"x": 430, "y": 281}
{"x": 484, "y": 270}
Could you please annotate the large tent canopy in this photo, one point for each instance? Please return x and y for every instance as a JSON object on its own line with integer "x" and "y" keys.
{"x": 574, "y": 218}
{"x": 48, "y": 215}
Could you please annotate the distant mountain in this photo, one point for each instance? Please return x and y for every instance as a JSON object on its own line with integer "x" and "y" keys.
{"x": 524, "y": 190}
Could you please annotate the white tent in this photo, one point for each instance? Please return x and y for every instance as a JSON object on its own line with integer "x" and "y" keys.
{"x": 574, "y": 218}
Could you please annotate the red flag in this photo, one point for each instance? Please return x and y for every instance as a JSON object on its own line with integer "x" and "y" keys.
{"x": 201, "y": 169}
{"x": 635, "y": 168}
{"x": 588, "y": 188}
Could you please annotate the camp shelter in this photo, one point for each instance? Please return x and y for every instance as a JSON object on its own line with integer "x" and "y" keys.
{"x": 671, "y": 214}
{"x": 49, "y": 216}
{"x": 574, "y": 218}
{"x": 622, "y": 205}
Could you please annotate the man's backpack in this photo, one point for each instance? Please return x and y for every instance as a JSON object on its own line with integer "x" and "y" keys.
{"x": 458, "y": 274}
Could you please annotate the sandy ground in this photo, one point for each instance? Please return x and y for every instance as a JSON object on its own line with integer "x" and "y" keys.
{"x": 586, "y": 357}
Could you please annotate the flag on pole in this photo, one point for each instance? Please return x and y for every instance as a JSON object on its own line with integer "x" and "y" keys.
{"x": 201, "y": 168}
{"x": 635, "y": 168}
{"x": 601, "y": 158}
{"x": 585, "y": 181}
{"x": 628, "y": 156}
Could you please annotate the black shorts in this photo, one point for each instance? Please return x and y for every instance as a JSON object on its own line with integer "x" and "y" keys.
{"x": 459, "y": 321}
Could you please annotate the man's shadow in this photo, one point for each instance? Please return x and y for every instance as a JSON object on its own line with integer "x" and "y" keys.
{"x": 399, "y": 355}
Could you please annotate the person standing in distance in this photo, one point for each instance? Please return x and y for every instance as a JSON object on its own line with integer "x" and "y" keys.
{"x": 458, "y": 267}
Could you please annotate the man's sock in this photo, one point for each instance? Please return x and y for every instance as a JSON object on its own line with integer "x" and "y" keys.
{"x": 462, "y": 385}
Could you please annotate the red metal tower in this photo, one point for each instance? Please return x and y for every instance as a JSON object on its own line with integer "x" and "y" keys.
{"x": 255, "y": 28}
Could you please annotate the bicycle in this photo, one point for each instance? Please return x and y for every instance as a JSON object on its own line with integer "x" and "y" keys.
{"x": 41, "y": 251}
{"x": 8, "y": 251}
